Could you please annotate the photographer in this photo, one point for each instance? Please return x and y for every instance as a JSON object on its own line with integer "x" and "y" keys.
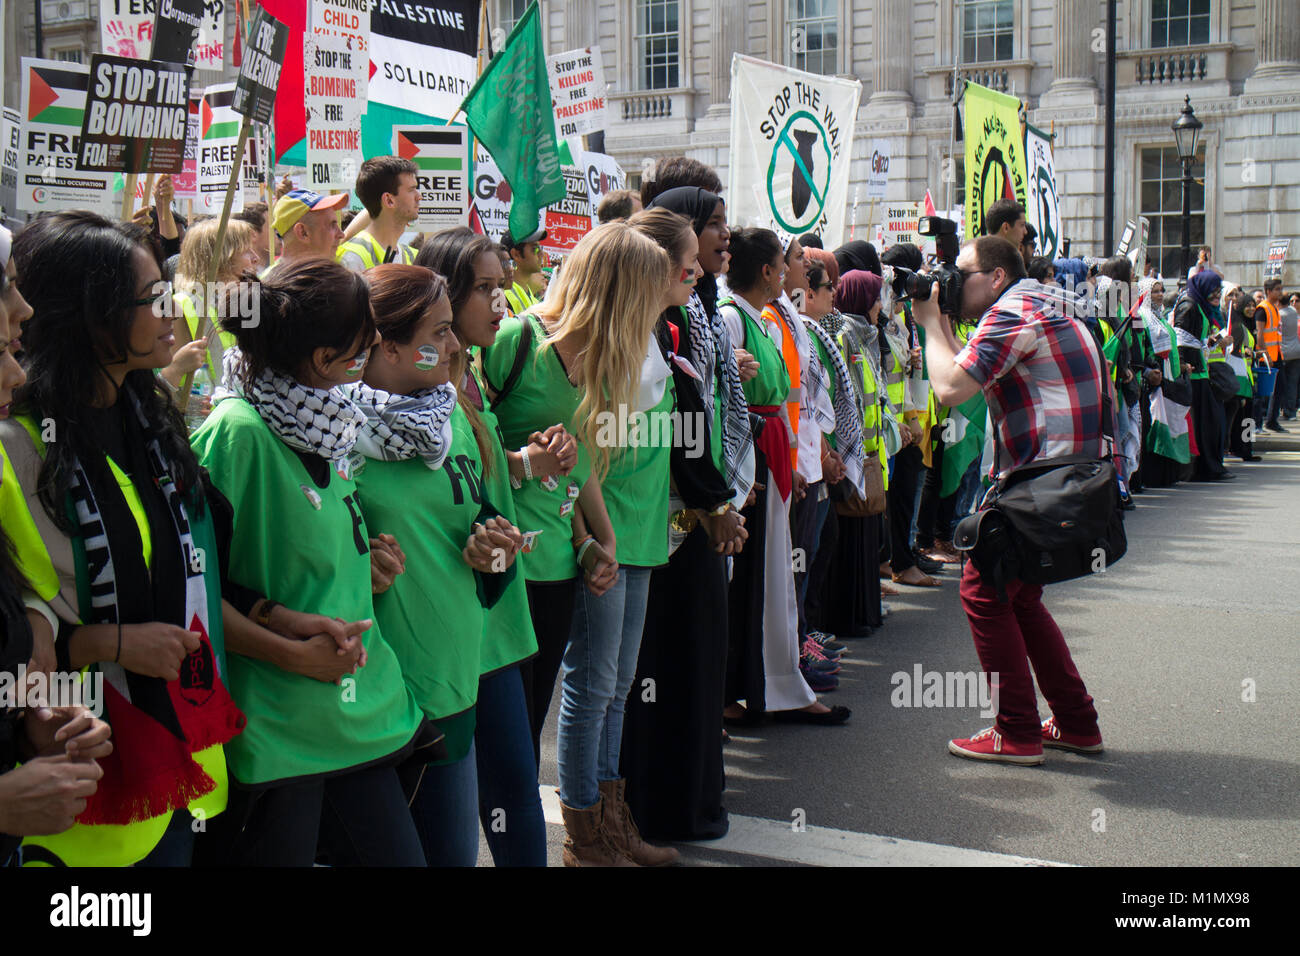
{"x": 1042, "y": 376}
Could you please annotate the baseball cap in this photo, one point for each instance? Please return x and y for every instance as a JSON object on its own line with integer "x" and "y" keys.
{"x": 296, "y": 203}
{"x": 508, "y": 242}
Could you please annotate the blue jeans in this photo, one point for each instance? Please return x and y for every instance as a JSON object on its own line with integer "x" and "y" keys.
{"x": 445, "y": 812}
{"x": 509, "y": 805}
{"x": 597, "y": 673}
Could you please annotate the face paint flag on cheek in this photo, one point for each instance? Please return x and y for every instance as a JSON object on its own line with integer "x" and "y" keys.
{"x": 426, "y": 357}
{"x": 358, "y": 364}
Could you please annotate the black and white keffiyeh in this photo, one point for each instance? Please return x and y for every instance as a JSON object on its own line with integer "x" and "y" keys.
{"x": 712, "y": 355}
{"x": 318, "y": 421}
{"x": 398, "y": 427}
{"x": 848, "y": 408}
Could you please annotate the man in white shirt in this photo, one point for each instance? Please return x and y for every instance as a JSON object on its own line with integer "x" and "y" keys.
{"x": 1204, "y": 260}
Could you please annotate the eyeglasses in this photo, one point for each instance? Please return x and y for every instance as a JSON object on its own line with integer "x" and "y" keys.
{"x": 829, "y": 286}
{"x": 156, "y": 297}
{"x": 967, "y": 273}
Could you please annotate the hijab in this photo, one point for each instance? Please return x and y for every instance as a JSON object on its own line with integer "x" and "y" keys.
{"x": 860, "y": 255}
{"x": 1203, "y": 285}
{"x": 693, "y": 202}
{"x": 857, "y": 292}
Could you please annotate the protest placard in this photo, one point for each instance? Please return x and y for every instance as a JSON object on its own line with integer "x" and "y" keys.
{"x": 878, "y": 169}
{"x": 53, "y": 102}
{"x": 126, "y": 27}
{"x": 1043, "y": 208}
{"x": 568, "y": 220}
{"x": 210, "y": 50}
{"x": 441, "y": 157}
{"x": 259, "y": 76}
{"x": 1276, "y": 258}
{"x": 995, "y": 154}
{"x": 901, "y": 222}
{"x": 491, "y": 195}
{"x": 577, "y": 80}
{"x": 186, "y": 182}
{"x": 176, "y": 31}
{"x": 10, "y": 130}
{"x": 135, "y": 116}
{"x": 218, "y": 148}
{"x": 337, "y": 62}
{"x": 604, "y": 175}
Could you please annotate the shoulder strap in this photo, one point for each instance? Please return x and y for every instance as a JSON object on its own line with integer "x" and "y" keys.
{"x": 521, "y": 356}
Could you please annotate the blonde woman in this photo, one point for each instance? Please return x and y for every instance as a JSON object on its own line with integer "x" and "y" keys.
{"x": 593, "y": 336}
{"x": 239, "y": 255}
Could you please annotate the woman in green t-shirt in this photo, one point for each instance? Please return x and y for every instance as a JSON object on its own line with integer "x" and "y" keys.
{"x": 422, "y": 482}
{"x": 316, "y": 759}
{"x": 503, "y": 741}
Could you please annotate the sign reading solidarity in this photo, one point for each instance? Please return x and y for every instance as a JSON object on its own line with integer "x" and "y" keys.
{"x": 176, "y": 31}
{"x": 568, "y": 220}
{"x": 260, "y": 75}
{"x": 577, "y": 80}
{"x": 1043, "y": 210}
{"x": 792, "y": 136}
{"x": 135, "y": 116}
{"x": 878, "y": 170}
{"x": 336, "y": 53}
{"x": 995, "y": 155}
{"x": 441, "y": 157}
{"x": 491, "y": 195}
{"x": 424, "y": 54}
{"x": 53, "y": 102}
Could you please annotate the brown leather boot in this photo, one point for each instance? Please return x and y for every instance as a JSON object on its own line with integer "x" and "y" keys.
{"x": 623, "y": 832}
{"x": 587, "y": 842}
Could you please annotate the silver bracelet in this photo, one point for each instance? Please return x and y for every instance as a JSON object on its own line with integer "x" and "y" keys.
{"x": 528, "y": 469}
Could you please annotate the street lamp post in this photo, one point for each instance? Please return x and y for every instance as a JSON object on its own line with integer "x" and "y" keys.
{"x": 1187, "y": 128}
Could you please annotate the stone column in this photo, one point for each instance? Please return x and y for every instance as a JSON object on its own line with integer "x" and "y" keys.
{"x": 1277, "y": 47}
{"x": 726, "y": 36}
{"x": 1074, "y": 65}
{"x": 579, "y": 24}
{"x": 892, "y": 59}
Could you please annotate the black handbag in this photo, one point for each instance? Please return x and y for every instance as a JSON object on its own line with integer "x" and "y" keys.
{"x": 1223, "y": 381}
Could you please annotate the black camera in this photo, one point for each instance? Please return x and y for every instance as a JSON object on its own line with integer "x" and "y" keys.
{"x": 944, "y": 233}
{"x": 916, "y": 286}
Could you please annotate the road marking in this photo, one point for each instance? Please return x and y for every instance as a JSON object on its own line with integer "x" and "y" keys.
{"x": 823, "y": 846}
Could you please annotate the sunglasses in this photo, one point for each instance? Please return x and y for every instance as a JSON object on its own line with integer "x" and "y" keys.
{"x": 155, "y": 297}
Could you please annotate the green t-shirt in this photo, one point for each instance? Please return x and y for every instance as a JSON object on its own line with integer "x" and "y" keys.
{"x": 542, "y": 397}
{"x": 307, "y": 547}
{"x": 508, "y": 635}
{"x": 772, "y": 383}
{"x": 636, "y": 488}
{"x": 432, "y": 616}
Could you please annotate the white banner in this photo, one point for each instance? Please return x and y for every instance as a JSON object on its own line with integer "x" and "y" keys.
{"x": 577, "y": 81}
{"x": 337, "y": 62}
{"x": 1043, "y": 207}
{"x": 878, "y": 169}
{"x": 791, "y": 147}
{"x": 424, "y": 54}
{"x": 604, "y": 175}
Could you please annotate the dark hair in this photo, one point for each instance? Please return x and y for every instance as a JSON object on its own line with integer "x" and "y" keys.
{"x": 615, "y": 205}
{"x": 254, "y": 214}
{"x": 751, "y": 248}
{"x": 994, "y": 252}
{"x": 1031, "y": 234}
{"x": 816, "y": 275}
{"x": 1039, "y": 267}
{"x": 401, "y": 296}
{"x": 346, "y": 219}
{"x": 666, "y": 228}
{"x": 1004, "y": 212}
{"x": 1204, "y": 249}
{"x": 905, "y": 254}
{"x": 810, "y": 240}
{"x": 379, "y": 175}
{"x": 1271, "y": 284}
{"x": 679, "y": 171}
{"x": 304, "y": 305}
{"x": 1118, "y": 268}
{"x": 75, "y": 323}
{"x": 452, "y": 253}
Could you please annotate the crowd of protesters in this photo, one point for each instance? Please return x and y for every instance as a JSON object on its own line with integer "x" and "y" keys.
{"x": 330, "y": 540}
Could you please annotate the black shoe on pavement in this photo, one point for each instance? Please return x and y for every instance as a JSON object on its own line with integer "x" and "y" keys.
{"x": 1275, "y": 427}
{"x": 925, "y": 564}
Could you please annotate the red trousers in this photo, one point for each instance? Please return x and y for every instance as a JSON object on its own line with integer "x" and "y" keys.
{"x": 1011, "y": 636}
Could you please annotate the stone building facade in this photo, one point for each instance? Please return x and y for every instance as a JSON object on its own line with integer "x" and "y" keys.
{"x": 668, "y": 62}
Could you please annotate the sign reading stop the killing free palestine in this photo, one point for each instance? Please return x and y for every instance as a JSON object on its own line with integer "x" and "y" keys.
{"x": 577, "y": 81}
{"x": 441, "y": 157}
{"x": 337, "y": 61}
{"x": 135, "y": 117}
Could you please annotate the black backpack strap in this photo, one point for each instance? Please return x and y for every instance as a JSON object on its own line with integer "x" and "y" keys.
{"x": 521, "y": 356}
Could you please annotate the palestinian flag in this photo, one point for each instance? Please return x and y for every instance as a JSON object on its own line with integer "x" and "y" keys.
{"x": 217, "y": 116}
{"x": 55, "y": 97}
{"x": 963, "y": 435}
{"x": 1168, "y": 435}
{"x": 437, "y": 150}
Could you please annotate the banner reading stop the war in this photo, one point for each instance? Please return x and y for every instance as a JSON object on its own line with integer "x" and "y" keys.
{"x": 995, "y": 154}
{"x": 1043, "y": 210}
{"x": 791, "y": 146}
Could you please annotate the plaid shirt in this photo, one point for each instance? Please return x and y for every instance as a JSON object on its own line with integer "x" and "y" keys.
{"x": 1041, "y": 373}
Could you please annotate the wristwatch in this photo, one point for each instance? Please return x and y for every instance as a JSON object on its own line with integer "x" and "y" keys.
{"x": 722, "y": 509}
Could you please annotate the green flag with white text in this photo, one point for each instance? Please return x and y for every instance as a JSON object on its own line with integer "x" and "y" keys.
{"x": 963, "y": 441}
{"x": 509, "y": 110}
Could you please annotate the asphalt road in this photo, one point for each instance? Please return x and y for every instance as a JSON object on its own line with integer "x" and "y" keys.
{"x": 1189, "y": 646}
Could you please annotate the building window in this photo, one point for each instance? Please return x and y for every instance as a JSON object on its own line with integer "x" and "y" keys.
{"x": 512, "y": 11}
{"x": 657, "y": 41}
{"x": 71, "y": 54}
{"x": 987, "y": 29}
{"x": 1180, "y": 22}
{"x": 1162, "y": 204}
{"x": 814, "y": 35}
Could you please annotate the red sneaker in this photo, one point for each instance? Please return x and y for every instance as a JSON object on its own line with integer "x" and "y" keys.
{"x": 1054, "y": 736}
{"x": 990, "y": 745}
